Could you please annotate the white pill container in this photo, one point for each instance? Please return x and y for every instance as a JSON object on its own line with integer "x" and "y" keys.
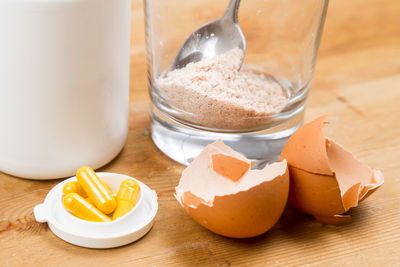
{"x": 127, "y": 229}
{"x": 64, "y": 85}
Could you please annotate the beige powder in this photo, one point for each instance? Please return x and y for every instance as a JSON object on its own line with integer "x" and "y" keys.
{"x": 213, "y": 93}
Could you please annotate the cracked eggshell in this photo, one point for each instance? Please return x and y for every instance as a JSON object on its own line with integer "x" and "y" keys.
{"x": 325, "y": 179}
{"x": 243, "y": 208}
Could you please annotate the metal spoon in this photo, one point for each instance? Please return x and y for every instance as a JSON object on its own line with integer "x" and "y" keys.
{"x": 213, "y": 39}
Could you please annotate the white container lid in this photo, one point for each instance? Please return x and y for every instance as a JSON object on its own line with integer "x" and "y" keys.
{"x": 122, "y": 231}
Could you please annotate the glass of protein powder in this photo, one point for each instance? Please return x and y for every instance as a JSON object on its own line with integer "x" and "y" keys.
{"x": 253, "y": 107}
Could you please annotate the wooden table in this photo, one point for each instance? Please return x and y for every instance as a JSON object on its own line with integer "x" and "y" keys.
{"x": 357, "y": 82}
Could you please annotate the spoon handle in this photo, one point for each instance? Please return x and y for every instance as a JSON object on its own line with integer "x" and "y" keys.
{"x": 232, "y": 10}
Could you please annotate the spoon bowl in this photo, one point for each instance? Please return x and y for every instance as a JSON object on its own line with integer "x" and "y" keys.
{"x": 213, "y": 39}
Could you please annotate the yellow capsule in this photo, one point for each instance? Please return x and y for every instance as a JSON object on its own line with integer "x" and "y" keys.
{"x": 79, "y": 207}
{"x": 126, "y": 198}
{"x": 106, "y": 185}
{"x": 89, "y": 200}
{"x": 97, "y": 192}
{"x": 74, "y": 187}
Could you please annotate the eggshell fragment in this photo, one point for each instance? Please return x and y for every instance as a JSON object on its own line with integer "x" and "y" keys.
{"x": 306, "y": 148}
{"x": 230, "y": 167}
{"x": 243, "y": 208}
{"x": 325, "y": 179}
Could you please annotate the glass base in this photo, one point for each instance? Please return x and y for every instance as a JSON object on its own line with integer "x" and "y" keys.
{"x": 183, "y": 143}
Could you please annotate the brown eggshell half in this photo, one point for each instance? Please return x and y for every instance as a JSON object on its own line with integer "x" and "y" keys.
{"x": 242, "y": 209}
{"x": 326, "y": 193}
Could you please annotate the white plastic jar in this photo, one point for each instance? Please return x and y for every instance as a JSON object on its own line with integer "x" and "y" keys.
{"x": 64, "y": 85}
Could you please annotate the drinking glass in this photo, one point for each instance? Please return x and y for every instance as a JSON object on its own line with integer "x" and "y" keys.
{"x": 282, "y": 41}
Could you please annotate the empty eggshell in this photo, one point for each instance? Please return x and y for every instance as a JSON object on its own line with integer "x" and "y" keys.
{"x": 325, "y": 179}
{"x": 227, "y": 205}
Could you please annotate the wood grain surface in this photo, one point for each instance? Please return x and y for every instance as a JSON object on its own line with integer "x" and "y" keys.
{"x": 357, "y": 82}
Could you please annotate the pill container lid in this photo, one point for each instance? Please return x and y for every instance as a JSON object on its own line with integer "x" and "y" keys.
{"x": 122, "y": 231}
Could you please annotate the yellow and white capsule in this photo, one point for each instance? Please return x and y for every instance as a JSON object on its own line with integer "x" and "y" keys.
{"x": 126, "y": 197}
{"x": 97, "y": 192}
{"x": 79, "y": 207}
{"x": 74, "y": 187}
